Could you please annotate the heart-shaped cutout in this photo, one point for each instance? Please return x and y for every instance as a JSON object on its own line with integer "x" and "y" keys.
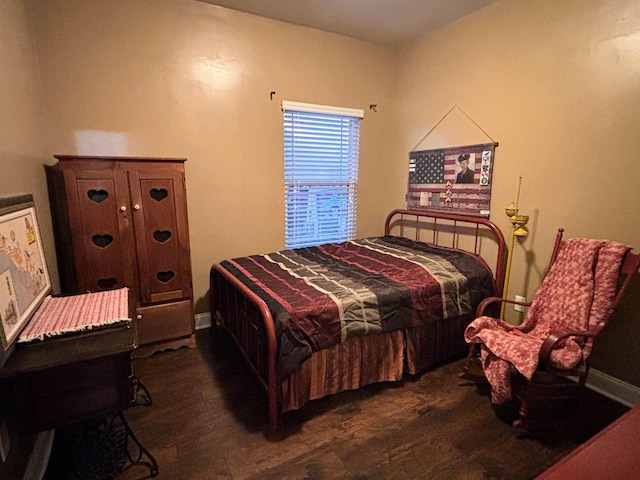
{"x": 162, "y": 236}
{"x": 107, "y": 282}
{"x": 102, "y": 240}
{"x": 98, "y": 196}
{"x": 165, "y": 277}
{"x": 158, "y": 194}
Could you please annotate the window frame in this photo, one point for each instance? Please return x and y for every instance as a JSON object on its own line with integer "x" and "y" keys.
{"x": 321, "y": 157}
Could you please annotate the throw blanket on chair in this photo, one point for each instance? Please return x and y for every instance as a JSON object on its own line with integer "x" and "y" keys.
{"x": 576, "y": 294}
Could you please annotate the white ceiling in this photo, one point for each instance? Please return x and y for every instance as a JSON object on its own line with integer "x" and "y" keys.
{"x": 385, "y": 22}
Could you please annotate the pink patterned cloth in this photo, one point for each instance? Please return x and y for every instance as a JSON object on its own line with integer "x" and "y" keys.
{"x": 576, "y": 294}
{"x": 77, "y": 313}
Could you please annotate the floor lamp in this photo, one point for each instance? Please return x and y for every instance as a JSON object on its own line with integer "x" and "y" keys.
{"x": 518, "y": 229}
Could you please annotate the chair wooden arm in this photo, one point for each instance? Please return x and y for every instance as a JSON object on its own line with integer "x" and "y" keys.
{"x": 491, "y": 300}
{"x": 552, "y": 340}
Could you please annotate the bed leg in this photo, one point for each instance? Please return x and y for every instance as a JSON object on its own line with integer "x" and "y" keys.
{"x": 273, "y": 411}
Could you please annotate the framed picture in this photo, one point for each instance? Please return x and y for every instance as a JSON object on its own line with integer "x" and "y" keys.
{"x": 454, "y": 180}
{"x": 24, "y": 278}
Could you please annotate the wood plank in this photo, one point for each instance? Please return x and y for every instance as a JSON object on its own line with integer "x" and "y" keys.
{"x": 208, "y": 419}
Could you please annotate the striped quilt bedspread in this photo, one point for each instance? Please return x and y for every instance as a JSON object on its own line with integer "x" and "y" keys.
{"x": 319, "y": 296}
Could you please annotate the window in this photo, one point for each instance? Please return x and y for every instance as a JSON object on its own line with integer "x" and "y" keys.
{"x": 321, "y": 146}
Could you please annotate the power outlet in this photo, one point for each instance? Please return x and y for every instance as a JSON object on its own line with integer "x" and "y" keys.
{"x": 5, "y": 442}
{"x": 519, "y": 308}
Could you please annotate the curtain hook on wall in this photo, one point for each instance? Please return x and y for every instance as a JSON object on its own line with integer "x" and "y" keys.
{"x": 271, "y": 95}
{"x": 373, "y": 107}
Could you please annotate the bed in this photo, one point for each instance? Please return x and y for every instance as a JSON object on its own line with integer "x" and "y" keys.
{"x": 317, "y": 321}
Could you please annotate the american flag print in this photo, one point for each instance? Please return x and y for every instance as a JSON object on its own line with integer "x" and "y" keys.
{"x": 429, "y": 168}
{"x": 432, "y": 180}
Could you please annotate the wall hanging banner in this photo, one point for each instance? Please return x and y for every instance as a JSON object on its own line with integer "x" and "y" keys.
{"x": 455, "y": 180}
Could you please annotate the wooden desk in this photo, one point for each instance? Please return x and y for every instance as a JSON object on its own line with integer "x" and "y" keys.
{"x": 71, "y": 376}
{"x": 61, "y": 381}
{"x": 79, "y": 370}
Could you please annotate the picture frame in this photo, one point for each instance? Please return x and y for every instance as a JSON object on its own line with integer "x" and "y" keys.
{"x": 24, "y": 276}
{"x": 454, "y": 180}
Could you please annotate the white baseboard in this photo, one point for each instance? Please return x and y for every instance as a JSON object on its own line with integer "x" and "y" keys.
{"x": 611, "y": 387}
{"x": 203, "y": 320}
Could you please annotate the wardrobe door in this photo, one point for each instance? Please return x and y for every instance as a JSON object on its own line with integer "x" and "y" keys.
{"x": 99, "y": 217}
{"x": 160, "y": 222}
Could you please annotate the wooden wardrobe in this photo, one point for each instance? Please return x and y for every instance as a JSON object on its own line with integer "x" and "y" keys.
{"x": 122, "y": 221}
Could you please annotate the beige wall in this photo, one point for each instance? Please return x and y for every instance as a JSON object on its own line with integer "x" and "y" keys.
{"x": 22, "y": 152}
{"x": 557, "y": 84}
{"x": 21, "y": 158}
{"x": 189, "y": 79}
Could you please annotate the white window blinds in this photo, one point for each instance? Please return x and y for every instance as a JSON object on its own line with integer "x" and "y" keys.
{"x": 321, "y": 147}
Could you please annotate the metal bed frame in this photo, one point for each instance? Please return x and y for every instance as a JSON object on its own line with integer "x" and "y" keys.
{"x": 246, "y": 317}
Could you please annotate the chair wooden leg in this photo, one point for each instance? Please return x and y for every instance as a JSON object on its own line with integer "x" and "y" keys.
{"x": 523, "y": 412}
{"x": 473, "y": 348}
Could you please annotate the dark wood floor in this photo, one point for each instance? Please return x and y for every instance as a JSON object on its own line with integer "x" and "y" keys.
{"x": 208, "y": 417}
